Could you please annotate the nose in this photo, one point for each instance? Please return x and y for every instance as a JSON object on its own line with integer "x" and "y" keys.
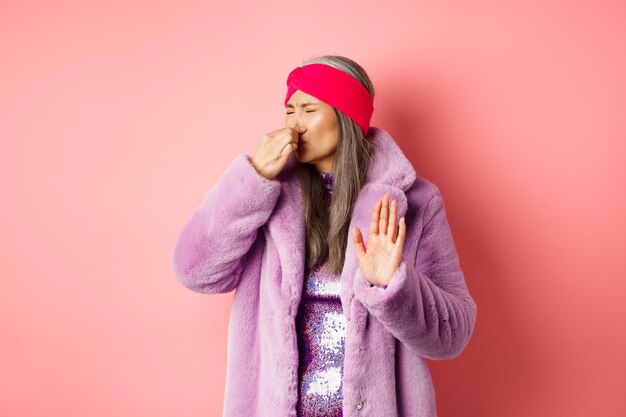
{"x": 297, "y": 124}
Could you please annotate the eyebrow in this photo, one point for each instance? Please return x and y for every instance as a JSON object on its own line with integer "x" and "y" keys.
{"x": 308, "y": 103}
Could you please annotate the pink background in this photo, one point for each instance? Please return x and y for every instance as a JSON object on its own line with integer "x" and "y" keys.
{"x": 116, "y": 119}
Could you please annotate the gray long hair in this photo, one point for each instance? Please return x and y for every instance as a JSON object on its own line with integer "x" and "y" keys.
{"x": 327, "y": 225}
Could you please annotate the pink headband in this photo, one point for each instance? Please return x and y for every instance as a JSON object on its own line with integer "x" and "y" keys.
{"x": 334, "y": 87}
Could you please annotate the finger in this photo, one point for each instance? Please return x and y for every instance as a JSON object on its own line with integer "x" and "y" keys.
{"x": 384, "y": 215}
{"x": 293, "y": 132}
{"x": 401, "y": 233}
{"x": 393, "y": 221}
{"x": 287, "y": 150}
{"x": 375, "y": 217}
{"x": 359, "y": 246}
{"x": 293, "y": 138}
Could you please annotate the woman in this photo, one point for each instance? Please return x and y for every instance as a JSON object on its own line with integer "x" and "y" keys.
{"x": 326, "y": 321}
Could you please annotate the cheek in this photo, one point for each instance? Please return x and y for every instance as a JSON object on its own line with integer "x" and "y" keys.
{"x": 324, "y": 130}
{"x": 324, "y": 123}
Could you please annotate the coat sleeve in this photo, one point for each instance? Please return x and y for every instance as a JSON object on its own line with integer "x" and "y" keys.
{"x": 426, "y": 305}
{"x": 207, "y": 256}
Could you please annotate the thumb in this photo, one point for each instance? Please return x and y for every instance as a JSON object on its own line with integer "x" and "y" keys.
{"x": 357, "y": 238}
{"x": 286, "y": 152}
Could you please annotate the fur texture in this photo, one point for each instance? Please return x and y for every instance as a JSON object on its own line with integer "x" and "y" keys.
{"x": 248, "y": 234}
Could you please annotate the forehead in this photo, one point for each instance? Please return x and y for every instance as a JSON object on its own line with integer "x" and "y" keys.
{"x": 300, "y": 97}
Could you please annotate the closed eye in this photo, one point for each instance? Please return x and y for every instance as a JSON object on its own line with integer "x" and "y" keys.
{"x": 308, "y": 111}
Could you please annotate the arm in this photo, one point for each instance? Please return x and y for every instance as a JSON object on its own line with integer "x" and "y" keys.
{"x": 426, "y": 306}
{"x": 208, "y": 252}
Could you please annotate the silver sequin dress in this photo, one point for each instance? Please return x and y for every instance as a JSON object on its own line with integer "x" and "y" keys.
{"x": 321, "y": 327}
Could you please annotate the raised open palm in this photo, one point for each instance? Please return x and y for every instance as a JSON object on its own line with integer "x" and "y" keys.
{"x": 383, "y": 254}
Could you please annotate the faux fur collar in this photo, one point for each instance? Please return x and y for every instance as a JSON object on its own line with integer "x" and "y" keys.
{"x": 389, "y": 172}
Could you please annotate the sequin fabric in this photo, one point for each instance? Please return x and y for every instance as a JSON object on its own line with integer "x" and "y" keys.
{"x": 321, "y": 327}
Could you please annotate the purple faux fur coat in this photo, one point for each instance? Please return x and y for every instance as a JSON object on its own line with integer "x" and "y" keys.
{"x": 248, "y": 234}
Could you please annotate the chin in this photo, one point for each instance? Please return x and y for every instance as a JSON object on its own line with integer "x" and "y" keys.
{"x": 302, "y": 157}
